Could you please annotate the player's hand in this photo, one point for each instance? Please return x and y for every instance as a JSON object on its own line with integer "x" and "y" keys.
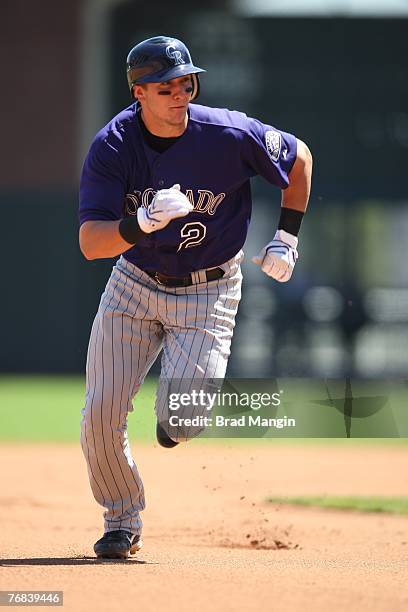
{"x": 277, "y": 259}
{"x": 167, "y": 204}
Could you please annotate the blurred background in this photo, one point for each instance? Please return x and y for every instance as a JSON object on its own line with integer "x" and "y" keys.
{"x": 333, "y": 72}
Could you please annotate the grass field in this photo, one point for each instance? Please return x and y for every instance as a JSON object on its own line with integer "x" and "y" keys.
{"x": 48, "y": 408}
{"x": 38, "y": 408}
{"x": 391, "y": 505}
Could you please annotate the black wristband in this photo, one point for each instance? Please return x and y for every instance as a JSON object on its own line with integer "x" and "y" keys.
{"x": 290, "y": 220}
{"x": 130, "y": 231}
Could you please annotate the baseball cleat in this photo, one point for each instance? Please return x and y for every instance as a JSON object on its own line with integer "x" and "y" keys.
{"x": 163, "y": 439}
{"x": 117, "y": 545}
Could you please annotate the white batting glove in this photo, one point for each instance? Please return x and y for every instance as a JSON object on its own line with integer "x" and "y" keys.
{"x": 277, "y": 259}
{"x": 167, "y": 204}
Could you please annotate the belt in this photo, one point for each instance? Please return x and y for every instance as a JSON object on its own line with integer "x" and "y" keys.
{"x": 184, "y": 281}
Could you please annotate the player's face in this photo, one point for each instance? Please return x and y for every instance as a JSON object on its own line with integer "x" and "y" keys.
{"x": 164, "y": 105}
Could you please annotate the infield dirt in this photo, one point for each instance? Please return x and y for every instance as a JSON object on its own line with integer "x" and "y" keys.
{"x": 211, "y": 541}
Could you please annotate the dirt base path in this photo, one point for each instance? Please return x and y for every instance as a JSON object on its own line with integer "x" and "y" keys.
{"x": 211, "y": 541}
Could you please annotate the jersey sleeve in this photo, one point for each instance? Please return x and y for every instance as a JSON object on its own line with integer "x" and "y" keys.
{"x": 269, "y": 152}
{"x": 103, "y": 181}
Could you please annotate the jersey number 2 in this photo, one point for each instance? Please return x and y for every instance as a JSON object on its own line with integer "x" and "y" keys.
{"x": 193, "y": 234}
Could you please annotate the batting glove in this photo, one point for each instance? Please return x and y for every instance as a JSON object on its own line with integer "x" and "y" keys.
{"x": 167, "y": 204}
{"x": 277, "y": 259}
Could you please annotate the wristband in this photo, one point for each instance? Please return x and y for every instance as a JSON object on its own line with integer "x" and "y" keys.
{"x": 290, "y": 220}
{"x": 130, "y": 231}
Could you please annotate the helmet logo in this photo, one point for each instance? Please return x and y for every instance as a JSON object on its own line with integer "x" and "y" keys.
{"x": 174, "y": 55}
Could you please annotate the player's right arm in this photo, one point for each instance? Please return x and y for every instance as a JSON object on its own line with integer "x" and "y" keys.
{"x": 101, "y": 239}
{"x": 106, "y": 177}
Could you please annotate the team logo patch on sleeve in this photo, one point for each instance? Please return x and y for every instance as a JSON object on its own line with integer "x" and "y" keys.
{"x": 273, "y": 142}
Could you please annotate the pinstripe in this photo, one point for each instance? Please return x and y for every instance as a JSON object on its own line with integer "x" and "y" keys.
{"x": 199, "y": 352}
{"x": 133, "y": 476}
{"x": 140, "y": 327}
{"x": 157, "y": 304}
{"x": 92, "y": 413}
{"x": 131, "y": 387}
{"x": 194, "y": 324}
{"x": 95, "y": 341}
{"x": 149, "y": 336}
{"x": 186, "y": 300}
{"x": 92, "y": 417}
{"x": 121, "y": 394}
{"x": 102, "y": 402}
{"x": 135, "y": 479}
{"x": 194, "y": 336}
{"x": 110, "y": 496}
{"x": 109, "y": 303}
{"x": 87, "y": 448}
{"x": 226, "y": 306}
{"x": 219, "y": 352}
{"x": 138, "y": 293}
{"x": 133, "y": 294}
{"x": 113, "y": 393}
{"x": 213, "y": 338}
{"x": 173, "y": 324}
{"x": 188, "y": 432}
{"x": 231, "y": 297}
{"x": 209, "y": 340}
{"x": 176, "y": 309}
{"x": 174, "y": 348}
{"x": 183, "y": 334}
{"x": 122, "y": 346}
{"x": 166, "y": 316}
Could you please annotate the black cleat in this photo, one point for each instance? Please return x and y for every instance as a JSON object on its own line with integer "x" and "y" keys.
{"x": 163, "y": 439}
{"x": 117, "y": 545}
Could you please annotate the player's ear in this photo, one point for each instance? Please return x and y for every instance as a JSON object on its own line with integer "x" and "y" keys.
{"x": 139, "y": 92}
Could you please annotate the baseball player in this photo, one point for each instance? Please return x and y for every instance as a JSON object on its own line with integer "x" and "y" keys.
{"x": 166, "y": 187}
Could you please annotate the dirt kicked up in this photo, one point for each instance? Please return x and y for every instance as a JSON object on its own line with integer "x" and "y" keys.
{"x": 211, "y": 541}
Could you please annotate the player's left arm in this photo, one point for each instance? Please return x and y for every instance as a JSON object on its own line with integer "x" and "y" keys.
{"x": 296, "y": 195}
{"x": 278, "y": 258}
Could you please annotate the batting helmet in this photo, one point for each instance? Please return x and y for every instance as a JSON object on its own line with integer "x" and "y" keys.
{"x": 160, "y": 59}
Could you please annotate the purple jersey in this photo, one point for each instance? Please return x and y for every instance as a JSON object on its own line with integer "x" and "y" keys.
{"x": 213, "y": 162}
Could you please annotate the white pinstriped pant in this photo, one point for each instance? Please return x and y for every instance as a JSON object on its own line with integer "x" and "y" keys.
{"x": 136, "y": 319}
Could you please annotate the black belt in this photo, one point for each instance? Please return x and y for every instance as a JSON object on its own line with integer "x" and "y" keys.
{"x": 184, "y": 281}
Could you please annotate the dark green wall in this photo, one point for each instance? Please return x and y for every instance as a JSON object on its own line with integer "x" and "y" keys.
{"x": 339, "y": 84}
{"x": 49, "y": 292}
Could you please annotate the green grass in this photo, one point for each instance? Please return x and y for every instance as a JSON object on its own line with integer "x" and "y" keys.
{"x": 392, "y": 505}
{"x": 48, "y": 408}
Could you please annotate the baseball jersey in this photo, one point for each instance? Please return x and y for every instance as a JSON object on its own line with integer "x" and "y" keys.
{"x": 213, "y": 161}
